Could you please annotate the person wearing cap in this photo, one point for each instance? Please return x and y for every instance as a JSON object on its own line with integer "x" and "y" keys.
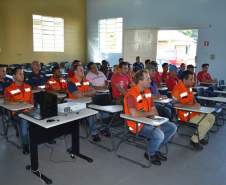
{"x": 204, "y": 76}
{"x": 138, "y": 65}
{"x": 191, "y": 68}
{"x": 4, "y": 80}
{"x": 181, "y": 70}
{"x": 36, "y": 77}
{"x": 56, "y": 83}
{"x": 165, "y": 74}
{"x": 172, "y": 78}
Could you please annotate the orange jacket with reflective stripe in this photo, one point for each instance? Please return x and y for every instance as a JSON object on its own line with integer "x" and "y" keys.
{"x": 143, "y": 103}
{"x": 185, "y": 96}
{"x": 81, "y": 86}
{"x": 17, "y": 93}
{"x": 56, "y": 84}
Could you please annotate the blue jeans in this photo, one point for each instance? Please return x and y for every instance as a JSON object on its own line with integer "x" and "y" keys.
{"x": 22, "y": 126}
{"x": 158, "y": 136}
{"x": 92, "y": 122}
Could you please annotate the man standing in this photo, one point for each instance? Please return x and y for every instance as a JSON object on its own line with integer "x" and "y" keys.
{"x": 138, "y": 102}
{"x": 138, "y": 65}
{"x": 181, "y": 70}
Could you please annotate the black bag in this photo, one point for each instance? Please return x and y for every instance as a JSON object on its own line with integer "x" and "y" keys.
{"x": 102, "y": 99}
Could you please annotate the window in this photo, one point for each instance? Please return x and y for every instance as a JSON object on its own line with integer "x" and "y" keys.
{"x": 48, "y": 34}
{"x": 110, "y": 35}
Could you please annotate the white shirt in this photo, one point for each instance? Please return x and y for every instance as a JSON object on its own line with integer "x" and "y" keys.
{"x": 96, "y": 79}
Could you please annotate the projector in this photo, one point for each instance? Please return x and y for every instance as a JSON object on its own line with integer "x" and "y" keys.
{"x": 71, "y": 107}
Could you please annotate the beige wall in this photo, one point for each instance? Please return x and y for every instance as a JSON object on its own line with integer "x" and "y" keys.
{"x": 16, "y": 41}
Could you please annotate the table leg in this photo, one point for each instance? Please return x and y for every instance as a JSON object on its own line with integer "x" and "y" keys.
{"x": 34, "y": 157}
{"x": 76, "y": 144}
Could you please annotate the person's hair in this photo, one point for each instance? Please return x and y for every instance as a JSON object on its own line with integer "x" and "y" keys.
{"x": 165, "y": 64}
{"x": 35, "y": 61}
{"x": 123, "y": 64}
{"x": 90, "y": 64}
{"x": 185, "y": 74}
{"x": 190, "y": 66}
{"x": 14, "y": 71}
{"x": 104, "y": 62}
{"x": 150, "y": 67}
{"x": 137, "y": 57}
{"x": 139, "y": 76}
{"x": 55, "y": 68}
{"x": 76, "y": 67}
{"x": 182, "y": 64}
{"x": 3, "y": 65}
{"x": 147, "y": 61}
{"x": 205, "y": 65}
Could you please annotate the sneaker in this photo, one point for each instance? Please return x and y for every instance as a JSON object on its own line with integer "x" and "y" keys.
{"x": 154, "y": 159}
{"x": 26, "y": 149}
{"x": 96, "y": 138}
{"x": 196, "y": 146}
{"x": 204, "y": 141}
{"x": 161, "y": 156}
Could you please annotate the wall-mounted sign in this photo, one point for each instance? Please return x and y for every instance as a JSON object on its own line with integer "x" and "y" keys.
{"x": 206, "y": 43}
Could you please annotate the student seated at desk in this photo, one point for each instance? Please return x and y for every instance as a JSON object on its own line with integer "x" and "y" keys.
{"x": 166, "y": 109}
{"x": 120, "y": 83}
{"x": 182, "y": 93}
{"x": 165, "y": 74}
{"x": 4, "y": 81}
{"x": 96, "y": 78}
{"x": 204, "y": 76}
{"x": 138, "y": 102}
{"x": 17, "y": 92}
{"x": 36, "y": 78}
{"x": 79, "y": 87}
{"x": 56, "y": 83}
{"x": 172, "y": 80}
{"x": 192, "y": 69}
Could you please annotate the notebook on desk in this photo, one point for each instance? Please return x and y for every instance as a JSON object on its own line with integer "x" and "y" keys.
{"x": 45, "y": 106}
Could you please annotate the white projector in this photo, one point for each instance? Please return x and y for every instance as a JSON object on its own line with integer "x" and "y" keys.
{"x": 71, "y": 107}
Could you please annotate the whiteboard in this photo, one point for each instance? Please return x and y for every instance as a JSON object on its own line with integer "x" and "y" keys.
{"x": 139, "y": 42}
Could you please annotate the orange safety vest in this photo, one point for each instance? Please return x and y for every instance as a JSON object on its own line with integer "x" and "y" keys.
{"x": 143, "y": 103}
{"x": 184, "y": 95}
{"x": 81, "y": 86}
{"x": 17, "y": 93}
{"x": 56, "y": 85}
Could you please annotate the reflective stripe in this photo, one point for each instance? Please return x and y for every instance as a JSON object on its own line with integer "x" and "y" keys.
{"x": 77, "y": 84}
{"x": 27, "y": 89}
{"x": 139, "y": 124}
{"x": 130, "y": 128}
{"x": 139, "y": 98}
{"x": 15, "y": 91}
{"x": 148, "y": 95}
{"x": 42, "y": 86}
{"x": 85, "y": 83}
{"x": 63, "y": 81}
{"x": 186, "y": 114}
{"x": 184, "y": 94}
{"x": 52, "y": 82}
{"x": 190, "y": 89}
